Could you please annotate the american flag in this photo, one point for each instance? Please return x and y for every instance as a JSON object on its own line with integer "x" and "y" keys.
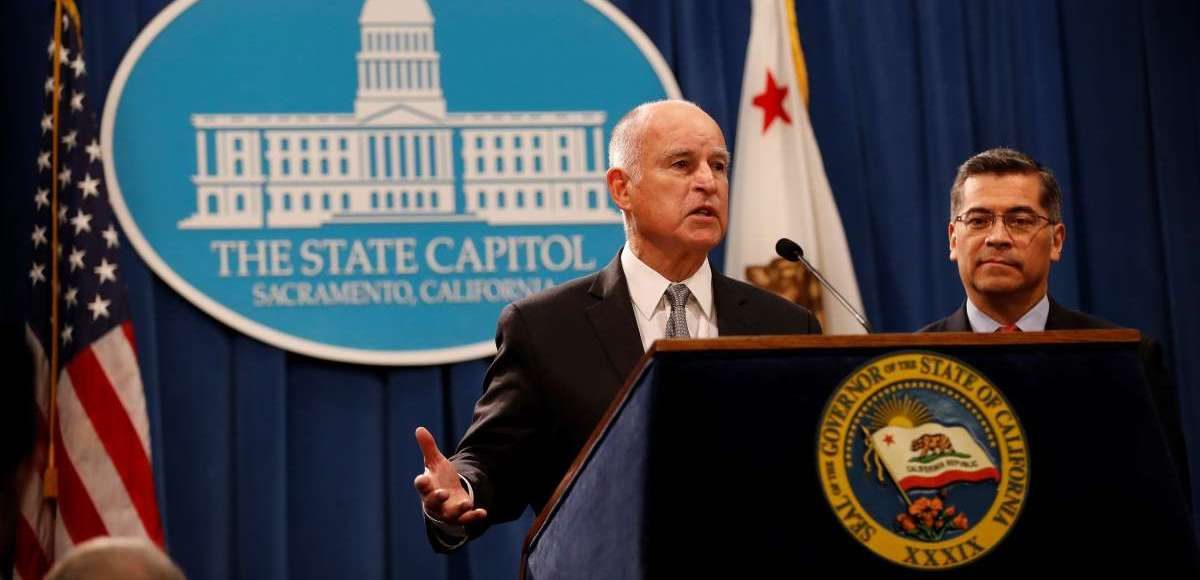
{"x": 100, "y": 436}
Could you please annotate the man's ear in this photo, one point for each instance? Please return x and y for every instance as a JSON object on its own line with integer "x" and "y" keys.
{"x": 953, "y": 242}
{"x": 618, "y": 187}
{"x": 1057, "y": 239}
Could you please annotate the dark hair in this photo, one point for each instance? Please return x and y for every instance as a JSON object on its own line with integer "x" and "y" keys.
{"x": 1001, "y": 161}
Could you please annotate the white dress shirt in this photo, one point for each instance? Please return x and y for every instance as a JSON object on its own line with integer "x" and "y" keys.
{"x": 1033, "y": 321}
{"x": 647, "y": 289}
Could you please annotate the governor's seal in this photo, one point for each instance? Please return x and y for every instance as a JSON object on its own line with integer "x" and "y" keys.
{"x": 923, "y": 460}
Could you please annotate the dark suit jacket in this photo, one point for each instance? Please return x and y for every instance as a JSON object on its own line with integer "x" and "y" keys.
{"x": 1060, "y": 318}
{"x": 1162, "y": 389}
{"x": 563, "y": 355}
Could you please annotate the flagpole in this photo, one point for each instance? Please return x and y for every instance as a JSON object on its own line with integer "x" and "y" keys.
{"x": 797, "y": 50}
{"x": 50, "y": 477}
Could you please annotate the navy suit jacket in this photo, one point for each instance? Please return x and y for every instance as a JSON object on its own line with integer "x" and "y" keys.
{"x": 563, "y": 355}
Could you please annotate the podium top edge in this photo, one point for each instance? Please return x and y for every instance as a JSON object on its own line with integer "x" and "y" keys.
{"x": 898, "y": 340}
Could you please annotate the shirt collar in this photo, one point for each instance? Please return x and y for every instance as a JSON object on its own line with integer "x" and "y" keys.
{"x": 1032, "y": 321}
{"x": 647, "y": 286}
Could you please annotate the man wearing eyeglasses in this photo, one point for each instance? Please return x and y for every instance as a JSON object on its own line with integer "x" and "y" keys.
{"x": 1005, "y": 231}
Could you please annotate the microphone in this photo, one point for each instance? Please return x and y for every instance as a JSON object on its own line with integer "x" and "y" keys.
{"x": 792, "y": 252}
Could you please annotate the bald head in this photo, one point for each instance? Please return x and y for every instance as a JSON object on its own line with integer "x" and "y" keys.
{"x": 625, "y": 146}
{"x": 125, "y": 558}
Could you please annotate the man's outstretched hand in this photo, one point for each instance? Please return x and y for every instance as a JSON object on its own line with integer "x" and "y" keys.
{"x": 441, "y": 490}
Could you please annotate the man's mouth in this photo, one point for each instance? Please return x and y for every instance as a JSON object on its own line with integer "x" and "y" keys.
{"x": 703, "y": 211}
{"x": 999, "y": 261}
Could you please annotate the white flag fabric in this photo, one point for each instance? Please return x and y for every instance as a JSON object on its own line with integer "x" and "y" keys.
{"x": 932, "y": 456}
{"x": 779, "y": 185}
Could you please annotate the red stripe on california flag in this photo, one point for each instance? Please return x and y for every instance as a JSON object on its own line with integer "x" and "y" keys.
{"x": 29, "y": 560}
{"x": 119, "y": 437}
{"x": 947, "y": 477}
{"x": 75, "y": 507}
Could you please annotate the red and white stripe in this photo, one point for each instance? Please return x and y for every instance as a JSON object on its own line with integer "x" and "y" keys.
{"x": 102, "y": 446}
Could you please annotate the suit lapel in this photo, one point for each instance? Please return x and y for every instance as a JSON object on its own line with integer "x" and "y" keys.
{"x": 612, "y": 318}
{"x": 1058, "y": 318}
{"x": 958, "y": 321}
{"x": 731, "y": 311}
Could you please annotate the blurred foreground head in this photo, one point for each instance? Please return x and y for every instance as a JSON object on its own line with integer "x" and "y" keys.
{"x": 125, "y": 558}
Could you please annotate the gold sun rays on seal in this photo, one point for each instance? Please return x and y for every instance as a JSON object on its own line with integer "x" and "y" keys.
{"x": 898, "y": 412}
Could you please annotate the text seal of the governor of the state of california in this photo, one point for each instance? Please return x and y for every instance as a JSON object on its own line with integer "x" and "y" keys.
{"x": 923, "y": 460}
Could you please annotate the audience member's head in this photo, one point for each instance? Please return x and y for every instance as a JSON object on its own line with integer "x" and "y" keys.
{"x": 105, "y": 558}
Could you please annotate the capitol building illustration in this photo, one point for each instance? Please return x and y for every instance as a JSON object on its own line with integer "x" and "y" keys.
{"x": 400, "y": 156}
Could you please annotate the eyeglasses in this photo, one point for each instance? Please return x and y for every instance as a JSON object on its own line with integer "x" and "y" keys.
{"x": 1018, "y": 223}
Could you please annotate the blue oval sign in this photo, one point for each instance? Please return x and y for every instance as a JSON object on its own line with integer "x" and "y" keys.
{"x": 372, "y": 183}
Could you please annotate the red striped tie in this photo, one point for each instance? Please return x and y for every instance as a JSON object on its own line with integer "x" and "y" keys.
{"x": 1008, "y": 328}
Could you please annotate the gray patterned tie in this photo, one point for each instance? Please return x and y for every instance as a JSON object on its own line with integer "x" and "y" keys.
{"x": 677, "y": 324}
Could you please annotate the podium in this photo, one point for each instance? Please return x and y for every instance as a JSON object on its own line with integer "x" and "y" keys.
{"x": 887, "y": 456}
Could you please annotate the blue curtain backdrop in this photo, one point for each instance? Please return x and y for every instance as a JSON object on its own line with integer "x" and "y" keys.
{"x": 274, "y": 465}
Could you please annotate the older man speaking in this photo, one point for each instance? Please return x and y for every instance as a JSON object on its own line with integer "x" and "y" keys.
{"x": 565, "y": 352}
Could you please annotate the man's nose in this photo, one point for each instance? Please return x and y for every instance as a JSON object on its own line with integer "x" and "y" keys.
{"x": 705, "y": 178}
{"x": 999, "y": 235}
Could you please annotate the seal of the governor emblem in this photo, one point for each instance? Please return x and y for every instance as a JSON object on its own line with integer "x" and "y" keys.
{"x": 923, "y": 460}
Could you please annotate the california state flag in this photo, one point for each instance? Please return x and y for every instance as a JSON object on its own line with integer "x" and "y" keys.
{"x": 932, "y": 456}
{"x": 779, "y": 185}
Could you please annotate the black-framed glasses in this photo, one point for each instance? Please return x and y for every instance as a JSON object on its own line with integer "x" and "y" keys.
{"x": 1018, "y": 223}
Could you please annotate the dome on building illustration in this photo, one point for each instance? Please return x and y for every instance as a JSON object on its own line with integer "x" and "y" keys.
{"x": 396, "y": 12}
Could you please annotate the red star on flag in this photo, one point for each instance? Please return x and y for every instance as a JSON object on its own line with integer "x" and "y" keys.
{"x": 771, "y": 102}
{"x": 888, "y": 439}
